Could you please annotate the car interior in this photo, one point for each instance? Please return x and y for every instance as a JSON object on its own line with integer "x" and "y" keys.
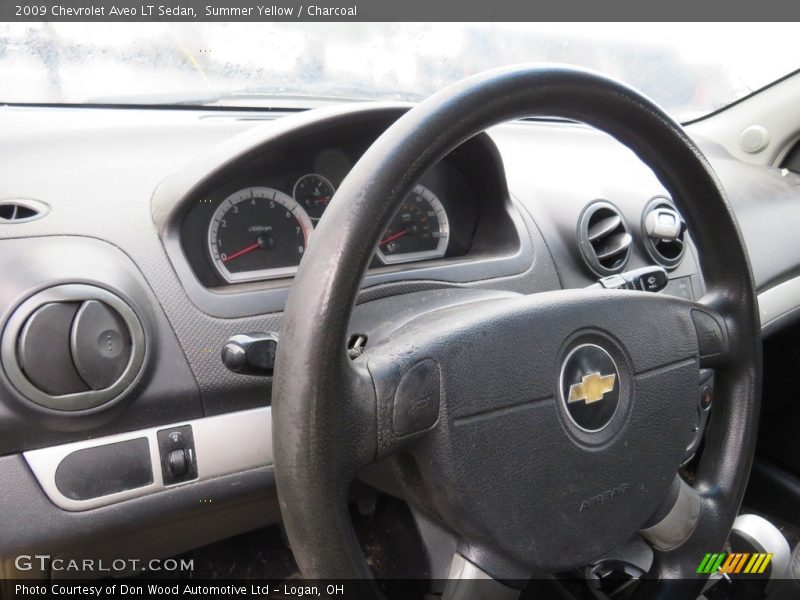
{"x": 532, "y": 334}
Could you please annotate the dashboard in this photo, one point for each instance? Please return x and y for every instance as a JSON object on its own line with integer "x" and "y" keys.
{"x": 189, "y": 225}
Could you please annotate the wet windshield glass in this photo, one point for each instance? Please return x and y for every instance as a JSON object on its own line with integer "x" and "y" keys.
{"x": 690, "y": 69}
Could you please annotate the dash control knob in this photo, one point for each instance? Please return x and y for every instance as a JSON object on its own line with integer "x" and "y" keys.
{"x": 177, "y": 450}
{"x": 178, "y": 463}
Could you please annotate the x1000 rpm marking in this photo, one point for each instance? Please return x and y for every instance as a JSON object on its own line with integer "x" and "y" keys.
{"x": 258, "y": 233}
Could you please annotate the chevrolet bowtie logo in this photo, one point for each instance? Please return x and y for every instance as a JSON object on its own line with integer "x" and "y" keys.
{"x": 592, "y": 388}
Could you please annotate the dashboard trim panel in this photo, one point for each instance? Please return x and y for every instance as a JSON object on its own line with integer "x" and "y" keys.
{"x": 778, "y": 303}
{"x": 218, "y": 448}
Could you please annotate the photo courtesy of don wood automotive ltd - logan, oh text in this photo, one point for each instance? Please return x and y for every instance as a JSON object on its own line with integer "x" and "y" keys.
{"x": 367, "y": 299}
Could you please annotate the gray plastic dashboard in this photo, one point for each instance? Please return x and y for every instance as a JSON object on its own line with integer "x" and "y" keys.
{"x": 114, "y": 180}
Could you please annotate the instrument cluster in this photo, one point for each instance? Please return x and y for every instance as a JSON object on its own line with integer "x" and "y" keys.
{"x": 261, "y": 232}
{"x": 256, "y": 223}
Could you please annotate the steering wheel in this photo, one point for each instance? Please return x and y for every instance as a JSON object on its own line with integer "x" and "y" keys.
{"x": 476, "y": 406}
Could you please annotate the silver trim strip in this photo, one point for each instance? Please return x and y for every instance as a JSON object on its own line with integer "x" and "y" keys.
{"x": 779, "y": 300}
{"x": 224, "y": 444}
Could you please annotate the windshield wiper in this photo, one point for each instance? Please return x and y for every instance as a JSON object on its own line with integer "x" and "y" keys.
{"x": 212, "y": 98}
{"x": 288, "y": 98}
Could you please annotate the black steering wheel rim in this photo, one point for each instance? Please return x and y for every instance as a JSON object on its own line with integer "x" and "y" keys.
{"x": 318, "y": 424}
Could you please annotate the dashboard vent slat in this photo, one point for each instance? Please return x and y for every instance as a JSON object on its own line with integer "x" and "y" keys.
{"x": 21, "y": 211}
{"x": 603, "y": 238}
{"x": 603, "y": 227}
{"x": 664, "y": 232}
{"x": 613, "y": 245}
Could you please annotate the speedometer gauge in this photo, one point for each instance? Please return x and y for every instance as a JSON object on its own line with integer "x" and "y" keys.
{"x": 258, "y": 233}
{"x": 419, "y": 229}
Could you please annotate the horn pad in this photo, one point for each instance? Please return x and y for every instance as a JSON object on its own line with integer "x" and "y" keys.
{"x": 557, "y": 440}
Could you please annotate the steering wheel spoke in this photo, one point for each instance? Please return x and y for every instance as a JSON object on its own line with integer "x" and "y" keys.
{"x": 407, "y": 392}
{"x": 359, "y": 401}
{"x": 675, "y": 527}
{"x": 468, "y": 581}
{"x": 711, "y": 326}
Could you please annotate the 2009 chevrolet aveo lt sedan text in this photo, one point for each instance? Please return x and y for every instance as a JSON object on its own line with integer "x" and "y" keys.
{"x": 375, "y": 307}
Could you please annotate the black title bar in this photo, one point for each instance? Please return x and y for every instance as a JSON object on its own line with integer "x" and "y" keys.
{"x": 397, "y": 10}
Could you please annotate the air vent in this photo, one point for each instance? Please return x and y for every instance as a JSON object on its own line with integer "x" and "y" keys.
{"x": 604, "y": 239}
{"x": 73, "y": 347}
{"x": 664, "y": 232}
{"x": 21, "y": 211}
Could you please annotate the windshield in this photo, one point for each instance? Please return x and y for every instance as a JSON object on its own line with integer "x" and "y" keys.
{"x": 690, "y": 69}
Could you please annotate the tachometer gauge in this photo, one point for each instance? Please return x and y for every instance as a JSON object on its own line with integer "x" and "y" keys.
{"x": 419, "y": 229}
{"x": 258, "y": 233}
{"x": 313, "y": 192}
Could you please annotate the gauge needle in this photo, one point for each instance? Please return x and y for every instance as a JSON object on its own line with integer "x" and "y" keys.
{"x": 322, "y": 200}
{"x": 393, "y": 237}
{"x": 239, "y": 253}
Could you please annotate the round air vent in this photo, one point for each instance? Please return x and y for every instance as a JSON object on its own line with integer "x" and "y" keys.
{"x": 664, "y": 232}
{"x": 73, "y": 347}
{"x": 604, "y": 239}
